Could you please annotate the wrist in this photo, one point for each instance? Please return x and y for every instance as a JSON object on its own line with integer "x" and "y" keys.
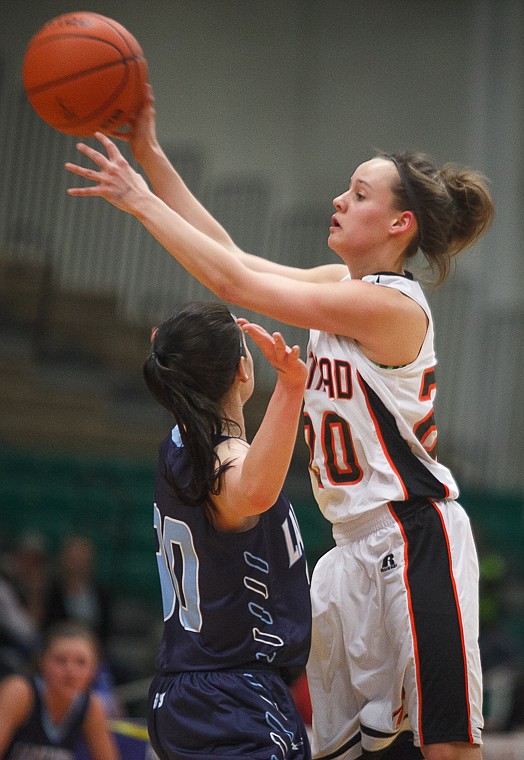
{"x": 141, "y": 203}
{"x": 149, "y": 153}
{"x": 292, "y": 389}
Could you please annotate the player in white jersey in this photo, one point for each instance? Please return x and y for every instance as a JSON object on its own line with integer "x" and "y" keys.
{"x": 396, "y": 526}
{"x": 395, "y": 617}
{"x": 354, "y": 472}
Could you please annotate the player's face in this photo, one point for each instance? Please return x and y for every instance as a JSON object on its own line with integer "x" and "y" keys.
{"x": 364, "y": 213}
{"x": 69, "y": 665}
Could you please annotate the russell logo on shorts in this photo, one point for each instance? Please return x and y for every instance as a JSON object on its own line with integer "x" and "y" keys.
{"x": 388, "y": 563}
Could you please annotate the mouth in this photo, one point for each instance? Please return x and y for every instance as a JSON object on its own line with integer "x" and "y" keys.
{"x": 334, "y": 223}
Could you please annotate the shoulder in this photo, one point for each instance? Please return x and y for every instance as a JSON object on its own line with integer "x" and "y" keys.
{"x": 17, "y": 686}
{"x": 96, "y": 731}
{"x": 95, "y": 713}
{"x": 404, "y": 284}
{"x": 326, "y": 273}
{"x": 17, "y": 696}
{"x": 232, "y": 447}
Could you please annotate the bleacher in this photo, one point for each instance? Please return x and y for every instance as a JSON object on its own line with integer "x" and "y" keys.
{"x": 108, "y": 501}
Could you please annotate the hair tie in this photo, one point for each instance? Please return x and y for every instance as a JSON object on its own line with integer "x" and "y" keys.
{"x": 242, "y": 345}
{"x": 159, "y": 361}
{"x": 155, "y": 357}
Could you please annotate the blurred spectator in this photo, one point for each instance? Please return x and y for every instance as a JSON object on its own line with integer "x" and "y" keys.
{"x": 29, "y": 571}
{"x": 18, "y": 633}
{"x": 45, "y": 715}
{"x": 75, "y": 593}
{"x": 23, "y": 583}
{"x": 499, "y": 650}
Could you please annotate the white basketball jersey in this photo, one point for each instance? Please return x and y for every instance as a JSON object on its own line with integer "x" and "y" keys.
{"x": 370, "y": 429}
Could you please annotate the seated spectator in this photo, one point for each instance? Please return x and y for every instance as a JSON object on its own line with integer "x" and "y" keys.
{"x": 28, "y": 569}
{"x": 18, "y": 633}
{"x": 75, "y": 593}
{"x": 499, "y": 650}
{"x": 47, "y": 715}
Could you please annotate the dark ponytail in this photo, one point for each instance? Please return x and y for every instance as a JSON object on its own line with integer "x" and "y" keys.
{"x": 194, "y": 359}
{"x": 452, "y": 206}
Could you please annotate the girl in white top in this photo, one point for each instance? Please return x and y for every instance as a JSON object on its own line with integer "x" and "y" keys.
{"x": 394, "y": 603}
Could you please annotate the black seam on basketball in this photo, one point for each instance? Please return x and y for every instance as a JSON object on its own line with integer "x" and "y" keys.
{"x": 117, "y": 31}
{"x": 80, "y": 74}
{"x": 102, "y": 107}
{"x": 79, "y": 120}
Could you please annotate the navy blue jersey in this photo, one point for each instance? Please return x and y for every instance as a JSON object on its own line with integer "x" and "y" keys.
{"x": 40, "y": 738}
{"x": 232, "y": 601}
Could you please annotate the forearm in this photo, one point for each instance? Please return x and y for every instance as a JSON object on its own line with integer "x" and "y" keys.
{"x": 189, "y": 234}
{"x": 222, "y": 268}
{"x": 266, "y": 464}
{"x": 210, "y": 262}
{"x": 171, "y": 188}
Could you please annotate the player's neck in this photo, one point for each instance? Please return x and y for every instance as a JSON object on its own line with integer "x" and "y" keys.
{"x": 233, "y": 416}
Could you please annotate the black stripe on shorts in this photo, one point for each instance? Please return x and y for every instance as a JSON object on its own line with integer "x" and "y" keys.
{"x": 437, "y": 626}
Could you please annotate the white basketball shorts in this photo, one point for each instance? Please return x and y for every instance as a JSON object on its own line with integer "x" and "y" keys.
{"x": 395, "y": 633}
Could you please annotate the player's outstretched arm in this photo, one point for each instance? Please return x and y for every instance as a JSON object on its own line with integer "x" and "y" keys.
{"x": 169, "y": 187}
{"x": 162, "y": 175}
{"x": 378, "y": 318}
{"x": 257, "y": 473}
{"x": 388, "y": 326}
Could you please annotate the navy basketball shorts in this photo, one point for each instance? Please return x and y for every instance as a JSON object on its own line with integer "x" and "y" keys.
{"x": 209, "y": 714}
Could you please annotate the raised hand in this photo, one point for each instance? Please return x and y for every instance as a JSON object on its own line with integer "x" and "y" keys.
{"x": 115, "y": 180}
{"x": 292, "y": 370}
{"x": 141, "y": 130}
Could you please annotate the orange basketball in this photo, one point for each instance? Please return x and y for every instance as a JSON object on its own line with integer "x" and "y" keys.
{"x": 83, "y": 73}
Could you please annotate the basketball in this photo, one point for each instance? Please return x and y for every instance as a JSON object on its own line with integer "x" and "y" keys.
{"x": 83, "y": 73}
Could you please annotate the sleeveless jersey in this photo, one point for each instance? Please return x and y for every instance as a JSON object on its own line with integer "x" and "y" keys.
{"x": 370, "y": 429}
{"x": 41, "y": 739}
{"x": 232, "y": 601}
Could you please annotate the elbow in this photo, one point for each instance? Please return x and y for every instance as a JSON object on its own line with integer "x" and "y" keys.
{"x": 230, "y": 291}
{"x": 257, "y": 501}
{"x": 234, "y": 284}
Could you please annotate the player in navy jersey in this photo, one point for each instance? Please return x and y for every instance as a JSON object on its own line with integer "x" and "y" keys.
{"x": 235, "y": 590}
{"x": 45, "y": 717}
{"x": 395, "y": 611}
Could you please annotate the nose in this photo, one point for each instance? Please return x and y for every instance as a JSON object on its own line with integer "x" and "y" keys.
{"x": 340, "y": 202}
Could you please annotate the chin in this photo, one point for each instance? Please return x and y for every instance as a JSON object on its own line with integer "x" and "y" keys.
{"x": 332, "y": 243}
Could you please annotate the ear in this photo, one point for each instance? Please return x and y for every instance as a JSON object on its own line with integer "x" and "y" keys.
{"x": 242, "y": 370}
{"x": 404, "y": 222}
